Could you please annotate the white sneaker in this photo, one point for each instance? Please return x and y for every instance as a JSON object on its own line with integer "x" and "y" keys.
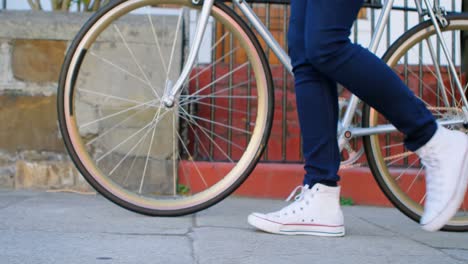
{"x": 315, "y": 212}
{"x": 445, "y": 158}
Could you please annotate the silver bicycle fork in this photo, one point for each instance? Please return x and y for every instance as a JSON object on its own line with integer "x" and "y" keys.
{"x": 172, "y": 91}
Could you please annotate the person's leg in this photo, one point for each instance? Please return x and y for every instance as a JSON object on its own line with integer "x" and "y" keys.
{"x": 317, "y": 107}
{"x": 329, "y": 49}
{"x": 316, "y": 210}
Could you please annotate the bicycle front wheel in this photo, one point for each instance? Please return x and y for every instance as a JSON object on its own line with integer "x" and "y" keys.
{"x": 135, "y": 151}
{"x": 418, "y": 59}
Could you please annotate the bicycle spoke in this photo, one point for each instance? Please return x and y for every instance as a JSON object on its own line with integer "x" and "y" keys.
{"x": 110, "y": 96}
{"x": 405, "y": 170}
{"x": 188, "y": 99}
{"x": 133, "y": 164}
{"x": 210, "y": 66}
{"x": 123, "y": 70}
{"x": 197, "y": 98}
{"x": 179, "y": 23}
{"x": 460, "y": 102}
{"x": 415, "y": 179}
{"x": 428, "y": 87}
{"x": 214, "y": 142}
{"x": 156, "y": 41}
{"x": 212, "y": 133}
{"x": 433, "y": 74}
{"x": 422, "y": 199}
{"x": 115, "y": 114}
{"x": 217, "y": 107}
{"x": 196, "y": 94}
{"x": 136, "y": 61}
{"x": 157, "y": 115}
{"x": 393, "y": 145}
{"x": 113, "y": 127}
{"x": 189, "y": 122}
{"x": 398, "y": 157}
{"x": 126, "y": 140}
{"x": 191, "y": 159}
{"x": 220, "y": 78}
{"x": 129, "y": 152}
{"x": 175, "y": 152}
{"x": 221, "y": 124}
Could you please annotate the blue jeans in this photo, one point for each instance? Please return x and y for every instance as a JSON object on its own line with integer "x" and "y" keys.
{"x": 322, "y": 55}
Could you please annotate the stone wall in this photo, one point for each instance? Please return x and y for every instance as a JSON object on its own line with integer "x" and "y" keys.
{"x": 32, "y": 48}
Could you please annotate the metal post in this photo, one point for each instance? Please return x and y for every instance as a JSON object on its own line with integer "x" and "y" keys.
{"x": 4, "y": 4}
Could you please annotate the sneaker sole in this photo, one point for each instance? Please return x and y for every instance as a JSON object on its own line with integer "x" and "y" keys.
{"x": 454, "y": 204}
{"x": 290, "y": 229}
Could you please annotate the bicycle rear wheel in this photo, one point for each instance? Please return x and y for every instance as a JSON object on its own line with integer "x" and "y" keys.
{"x": 398, "y": 171}
{"x": 144, "y": 156}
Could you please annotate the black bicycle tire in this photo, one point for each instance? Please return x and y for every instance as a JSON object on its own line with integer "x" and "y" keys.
{"x": 141, "y": 210}
{"x": 366, "y": 122}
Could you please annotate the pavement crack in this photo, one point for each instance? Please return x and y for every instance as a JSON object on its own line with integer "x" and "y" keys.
{"x": 451, "y": 248}
{"x": 428, "y": 245}
{"x": 144, "y": 234}
{"x": 377, "y": 225}
{"x": 191, "y": 238}
{"x": 441, "y": 249}
{"x": 93, "y": 232}
{"x": 396, "y": 233}
{"x": 225, "y": 227}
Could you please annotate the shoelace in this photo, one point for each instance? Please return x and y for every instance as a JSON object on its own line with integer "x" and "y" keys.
{"x": 300, "y": 195}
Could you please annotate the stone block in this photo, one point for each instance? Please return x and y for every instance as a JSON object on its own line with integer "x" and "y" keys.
{"x": 41, "y": 25}
{"x": 7, "y": 170}
{"x": 49, "y": 175}
{"x": 6, "y": 75}
{"x": 38, "y": 60}
{"x": 7, "y": 174}
{"x": 29, "y": 123}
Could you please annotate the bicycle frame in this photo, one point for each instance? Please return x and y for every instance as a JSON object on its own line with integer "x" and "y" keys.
{"x": 345, "y": 131}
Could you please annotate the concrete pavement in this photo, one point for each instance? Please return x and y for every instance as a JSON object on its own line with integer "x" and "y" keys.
{"x": 40, "y": 227}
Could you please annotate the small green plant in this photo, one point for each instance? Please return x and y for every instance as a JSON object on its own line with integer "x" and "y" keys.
{"x": 65, "y": 5}
{"x": 346, "y": 201}
{"x": 182, "y": 189}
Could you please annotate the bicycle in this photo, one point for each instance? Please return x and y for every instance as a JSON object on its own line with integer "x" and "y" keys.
{"x": 213, "y": 107}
